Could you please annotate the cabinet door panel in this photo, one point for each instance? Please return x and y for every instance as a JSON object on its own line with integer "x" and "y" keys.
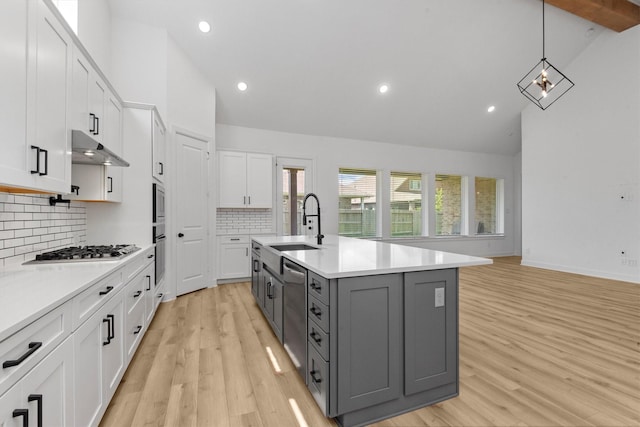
{"x": 233, "y": 261}
{"x": 232, "y": 179}
{"x": 259, "y": 180}
{"x": 9, "y": 402}
{"x": 369, "y": 340}
{"x": 113, "y": 140}
{"x": 53, "y": 76}
{"x": 52, "y": 380}
{"x": 113, "y": 365}
{"x": 88, "y": 387}
{"x": 431, "y": 329}
{"x": 13, "y": 87}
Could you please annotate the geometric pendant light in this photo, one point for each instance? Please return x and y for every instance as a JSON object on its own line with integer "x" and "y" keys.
{"x": 544, "y": 84}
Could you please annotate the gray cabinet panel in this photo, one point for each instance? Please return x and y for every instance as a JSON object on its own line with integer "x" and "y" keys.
{"x": 369, "y": 340}
{"x": 431, "y": 329}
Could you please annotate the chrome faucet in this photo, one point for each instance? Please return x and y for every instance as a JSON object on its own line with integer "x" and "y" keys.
{"x": 305, "y": 216}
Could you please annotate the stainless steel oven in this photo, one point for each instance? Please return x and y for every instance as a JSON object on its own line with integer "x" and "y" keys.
{"x": 158, "y": 203}
{"x": 160, "y": 239}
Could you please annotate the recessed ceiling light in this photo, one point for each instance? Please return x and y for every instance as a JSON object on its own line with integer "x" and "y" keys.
{"x": 383, "y": 88}
{"x": 204, "y": 26}
{"x": 89, "y": 153}
{"x": 491, "y": 109}
{"x": 107, "y": 163}
{"x": 242, "y": 86}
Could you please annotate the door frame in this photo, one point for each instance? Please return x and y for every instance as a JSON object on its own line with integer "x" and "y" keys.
{"x": 172, "y": 183}
{"x": 310, "y": 180}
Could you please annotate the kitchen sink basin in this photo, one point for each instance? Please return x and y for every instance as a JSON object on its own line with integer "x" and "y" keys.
{"x": 292, "y": 247}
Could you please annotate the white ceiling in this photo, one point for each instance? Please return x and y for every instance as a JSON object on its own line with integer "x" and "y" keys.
{"x": 313, "y": 66}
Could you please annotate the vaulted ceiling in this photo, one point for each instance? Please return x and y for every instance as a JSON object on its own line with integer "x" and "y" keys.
{"x": 314, "y": 67}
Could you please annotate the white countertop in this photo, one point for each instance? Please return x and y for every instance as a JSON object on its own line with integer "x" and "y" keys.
{"x": 347, "y": 257}
{"x": 29, "y": 291}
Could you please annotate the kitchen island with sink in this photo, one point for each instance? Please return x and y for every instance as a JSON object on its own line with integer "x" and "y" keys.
{"x": 372, "y": 327}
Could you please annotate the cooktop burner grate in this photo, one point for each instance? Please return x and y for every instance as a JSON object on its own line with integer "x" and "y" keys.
{"x": 86, "y": 253}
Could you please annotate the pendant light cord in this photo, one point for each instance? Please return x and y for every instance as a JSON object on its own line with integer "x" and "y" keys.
{"x": 543, "y": 55}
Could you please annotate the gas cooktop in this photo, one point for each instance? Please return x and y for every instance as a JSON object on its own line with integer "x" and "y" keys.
{"x": 85, "y": 253}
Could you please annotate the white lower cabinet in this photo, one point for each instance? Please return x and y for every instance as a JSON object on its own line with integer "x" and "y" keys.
{"x": 234, "y": 255}
{"x": 44, "y": 397}
{"x": 98, "y": 361}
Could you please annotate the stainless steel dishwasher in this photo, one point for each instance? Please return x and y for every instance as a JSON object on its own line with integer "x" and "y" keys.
{"x": 295, "y": 314}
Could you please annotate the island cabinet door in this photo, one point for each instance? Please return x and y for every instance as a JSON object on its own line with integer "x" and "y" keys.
{"x": 369, "y": 341}
{"x": 431, "y": 329}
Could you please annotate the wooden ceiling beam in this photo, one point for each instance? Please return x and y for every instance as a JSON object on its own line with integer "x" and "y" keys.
{"x": 617, "y": 15}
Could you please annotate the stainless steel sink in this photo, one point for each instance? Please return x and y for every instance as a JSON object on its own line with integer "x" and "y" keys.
{"x": 292, "y": 247}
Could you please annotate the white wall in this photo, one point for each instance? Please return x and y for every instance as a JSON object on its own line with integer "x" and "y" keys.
{"x": 330, "y": 154}
{"x": 94, "y": 30}
{"x": 579, "y": 158}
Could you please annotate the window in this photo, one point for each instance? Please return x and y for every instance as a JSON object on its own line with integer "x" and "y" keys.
{"x": 357, "y": 190}
{"x": 406, "y": 204}
{"x": 488, "y": 210}
{"x": 448, "y": 204}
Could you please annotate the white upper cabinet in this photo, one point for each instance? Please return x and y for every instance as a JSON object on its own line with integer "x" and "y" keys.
{"x": 244, "y": 180}
{"x": 159, "y": 147}
{"x": 35, "y": 84}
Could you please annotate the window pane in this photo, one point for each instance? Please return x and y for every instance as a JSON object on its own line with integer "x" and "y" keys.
{"x": 486, "y": 205}
{"x": 448, "y": 200}
{"x": 292, "y": 196}
{"x": 406, "y": 204}
{"x": 357, "y": 203}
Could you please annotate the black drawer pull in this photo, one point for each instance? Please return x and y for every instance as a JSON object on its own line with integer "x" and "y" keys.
{"x": 149, "y": 283}
{"x": 316, "y": 286}
{"x": 315, "y": 311}
{"x": 33, "y": 346}
{"x": 160, "y": 295}
{"x": 149, "y": 256}
{"x": 109, "y": 289}
{"x": 138, "y": 293}
{"x": 93, "y": 124}
{"x": 138, "y": 329}
{"x": 316, "y": 337}
{"x": 24, "y": 413}
{"x": 37, "y": 398}
{"x": 314, "y": 378}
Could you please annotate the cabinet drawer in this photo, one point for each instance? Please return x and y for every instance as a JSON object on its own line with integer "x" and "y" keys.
{"x": 24, "y": 349}
{"x": 134, "y": 329}
{"x": 318, "y": 378}
{"x": 318, "y": 287}
{"x": 134, "y": 292}
{"x": 319, "y": 313}
{"x": 138, "y": 264}
{"x": 318, "y": 338}
{"x": 232, "y": 239}
{"x": 85, "y": 304}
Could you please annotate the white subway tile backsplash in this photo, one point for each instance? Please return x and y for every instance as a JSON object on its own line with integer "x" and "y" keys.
{"x": 244, "y": 221}
{"x": 28, "y": 226}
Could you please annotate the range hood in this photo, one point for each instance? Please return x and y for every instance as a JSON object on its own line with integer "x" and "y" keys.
{"x": 88, "y": 151}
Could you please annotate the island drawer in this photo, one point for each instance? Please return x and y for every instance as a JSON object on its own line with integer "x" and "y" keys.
{"x": 318, "y": 378}
{"x": 318, "y": 312}
{"x": 318, "y": 338}
{"x": 318, "y": 287}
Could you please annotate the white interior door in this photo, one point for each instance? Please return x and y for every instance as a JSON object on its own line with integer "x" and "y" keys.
{"x": 294, "y": 179}
{"x": 192, "y": 212}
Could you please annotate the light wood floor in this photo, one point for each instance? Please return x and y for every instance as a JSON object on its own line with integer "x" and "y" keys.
{"x": 537, "y": 348}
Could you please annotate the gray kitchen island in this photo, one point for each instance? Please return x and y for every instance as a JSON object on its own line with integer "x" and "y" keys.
{"x": 372, "y": 327}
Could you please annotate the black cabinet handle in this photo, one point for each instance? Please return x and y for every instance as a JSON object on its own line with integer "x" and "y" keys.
{"x": 256, "y": 266}
{"x": 110, "y": 190}
{"x": 160, "y": 295}
{"x": 137, "y": 294}
{"x": 112, "y": 331}
{"x": 93, "y": 123}
{"x": 24, "y": 413}
{"x": 149, "y": 256}
{"x": 180, "y": 234}
{"x": 315, "y": 286}
{"x": 34, "y": 147}
{"x": 315, "y": 311}
{"x": 269, "y": 293}
{"x": 38, "y": 398}
{"x": 161, "y": 168}
{"x": 314, "y": 378}
{"x": 109, "y": 289}
{"x": 314, "y": 335}
{"x": 149, "y": 284}
{"x": 108, "y": 322}
{"x": 33, "y": 346}
{"x": 46, "y": 162}
{"x": 138, "y": 329}
{"x": 97, "y": 126}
